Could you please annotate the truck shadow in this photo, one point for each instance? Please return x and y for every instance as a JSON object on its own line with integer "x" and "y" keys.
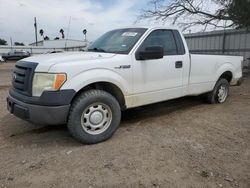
{"x": 25, "y": 134}
{"x": 160, "y": 109}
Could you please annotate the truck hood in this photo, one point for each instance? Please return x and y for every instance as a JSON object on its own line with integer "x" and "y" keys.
{"x": 46, "y": 61}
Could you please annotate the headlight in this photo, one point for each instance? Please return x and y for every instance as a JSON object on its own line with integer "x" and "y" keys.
{"x": 47, "y": 82}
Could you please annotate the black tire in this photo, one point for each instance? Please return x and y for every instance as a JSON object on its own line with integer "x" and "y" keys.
{"x": 212, "y": 97}
{"x": 80, "y": 107}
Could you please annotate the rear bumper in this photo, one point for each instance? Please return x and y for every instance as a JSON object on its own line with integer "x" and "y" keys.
{"x": 48, "y": 115}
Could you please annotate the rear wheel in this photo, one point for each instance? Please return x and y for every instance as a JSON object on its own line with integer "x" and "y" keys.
{"x": 94, "y": 117}
{"x": 219, "y": 93}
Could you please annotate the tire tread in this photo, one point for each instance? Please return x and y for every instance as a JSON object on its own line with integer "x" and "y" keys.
{"x": 90, "y": 93}
{"x": 211, "y": 95}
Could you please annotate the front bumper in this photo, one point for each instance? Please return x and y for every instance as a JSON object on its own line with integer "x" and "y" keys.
{"x": 45, "y": 115}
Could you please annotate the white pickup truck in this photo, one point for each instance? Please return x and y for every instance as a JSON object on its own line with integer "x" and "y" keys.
{"x": 124, "y": 68}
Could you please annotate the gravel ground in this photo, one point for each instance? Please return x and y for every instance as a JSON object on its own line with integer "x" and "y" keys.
{"x": 179, "y": 143}
{"x": 5, "y": 73}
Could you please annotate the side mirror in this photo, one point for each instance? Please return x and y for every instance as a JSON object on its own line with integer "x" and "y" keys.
{"x": 151, "y": 52}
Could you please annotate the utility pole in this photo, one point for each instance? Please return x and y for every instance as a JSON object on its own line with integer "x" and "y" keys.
{"x": 35, "y": 25}
{"x": 11, "y": 45}
{"x": 224, "y": 38}
{"x": 67, "y": 33}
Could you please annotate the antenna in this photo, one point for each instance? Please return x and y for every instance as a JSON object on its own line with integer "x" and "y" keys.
{"x": 67, "y": 33}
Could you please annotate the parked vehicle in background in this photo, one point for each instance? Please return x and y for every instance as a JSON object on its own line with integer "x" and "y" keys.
{"x": 53, "y": 52}
{"x": 15, "y": 55}
{"x": 124, "y": 68}
{"x": 1, "y": 59}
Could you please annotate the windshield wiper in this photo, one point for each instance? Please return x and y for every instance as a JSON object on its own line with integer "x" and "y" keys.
{"x": 97, "y": 50}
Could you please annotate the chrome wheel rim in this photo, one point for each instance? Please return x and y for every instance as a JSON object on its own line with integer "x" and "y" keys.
{"x": 96, "y": 118}
{"x": 222, "y": 93}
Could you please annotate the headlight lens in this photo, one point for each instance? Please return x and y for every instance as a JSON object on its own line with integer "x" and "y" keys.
{"x": 47, "y": 82}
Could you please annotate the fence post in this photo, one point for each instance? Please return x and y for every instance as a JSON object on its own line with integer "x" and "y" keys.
{"x": 223, "y": 41}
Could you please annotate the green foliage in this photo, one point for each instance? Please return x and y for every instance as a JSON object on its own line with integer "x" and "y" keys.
{"x": 19, "y": 44}
{"x": 3, "y": 42}
{"x": 205, "y": 174}
{"x": 239, "y": 13}
{"x": 62, "y": 32}
{"x": 41, "y": 32}
{"x": 46, "y": 38}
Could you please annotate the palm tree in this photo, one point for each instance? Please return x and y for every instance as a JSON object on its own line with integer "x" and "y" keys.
{"x": 84, "y": 33}
{"x": 41, "y": 33}
{"x": 62, "y": 32}
{"x": 46, "y": 38}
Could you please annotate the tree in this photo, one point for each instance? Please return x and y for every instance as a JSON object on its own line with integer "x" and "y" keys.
{"x": 18, "y": 44}
{"x": 3, "y": 42}
{"x": 239, "y": 12}
{"x": 189, "y": 13}
{"x": 62, "y": 32}
{"x": 41, "y": 33}
{"x": 46, "y": 38}
{"x": 84, "y": 33}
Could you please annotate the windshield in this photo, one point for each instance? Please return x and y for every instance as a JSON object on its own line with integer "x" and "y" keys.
{"x": 119, "y": 41}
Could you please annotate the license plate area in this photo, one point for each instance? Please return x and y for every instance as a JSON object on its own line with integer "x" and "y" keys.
{"x": 18, "y": 110}
{"x": 10, "y": 106}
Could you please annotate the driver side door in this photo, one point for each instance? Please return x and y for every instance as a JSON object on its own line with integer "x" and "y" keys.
{"x": 157, "y": 80}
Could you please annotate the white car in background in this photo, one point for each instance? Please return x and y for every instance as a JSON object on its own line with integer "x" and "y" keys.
{"x": 1, "y": 59}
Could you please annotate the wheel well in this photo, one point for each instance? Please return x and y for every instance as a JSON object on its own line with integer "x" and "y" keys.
{"x": 227, "y": 75}
{"x": 108, "y": 87}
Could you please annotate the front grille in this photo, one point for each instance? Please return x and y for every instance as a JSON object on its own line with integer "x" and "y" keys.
{"x": 22, "y": 77}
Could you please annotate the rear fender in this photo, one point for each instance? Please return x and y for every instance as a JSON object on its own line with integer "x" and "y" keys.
{"x": 224, "y": 68}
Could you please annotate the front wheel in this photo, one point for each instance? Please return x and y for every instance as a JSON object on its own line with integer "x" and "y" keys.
{"x": 219, "y": 93}
{"x": 94, "y": 117}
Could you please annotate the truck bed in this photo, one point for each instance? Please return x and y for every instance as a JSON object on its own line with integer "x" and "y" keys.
{"x": 206, "y": 69}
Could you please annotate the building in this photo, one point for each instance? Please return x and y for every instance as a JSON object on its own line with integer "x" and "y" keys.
{"x": 46, "y": 46}
{"x": 228, "y": 42}
{"x": 60, "y": 43}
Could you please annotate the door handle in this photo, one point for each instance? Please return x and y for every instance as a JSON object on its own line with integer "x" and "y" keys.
{"x": 178, "y": 64}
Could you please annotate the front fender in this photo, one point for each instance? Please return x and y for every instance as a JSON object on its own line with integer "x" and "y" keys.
{"x": 98, "y": 75}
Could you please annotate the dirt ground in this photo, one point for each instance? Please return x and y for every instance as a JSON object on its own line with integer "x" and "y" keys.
{"x": 179, "y": 143}
{"x": 5, "y": 73}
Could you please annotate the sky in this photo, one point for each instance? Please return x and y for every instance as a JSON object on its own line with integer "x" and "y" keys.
{"x": 97, "y": 16}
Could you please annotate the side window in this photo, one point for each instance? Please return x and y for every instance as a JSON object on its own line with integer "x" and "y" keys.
{"x": 164, "y": 38}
